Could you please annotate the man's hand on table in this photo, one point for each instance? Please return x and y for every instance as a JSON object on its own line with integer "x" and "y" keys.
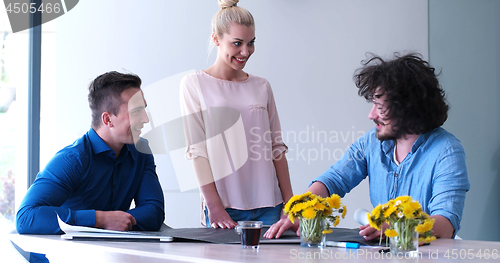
{"x": 114, "y": 220}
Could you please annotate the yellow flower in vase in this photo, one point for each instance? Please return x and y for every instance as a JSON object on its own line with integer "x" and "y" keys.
{"x": 426, "y": 239}
{"x": 328, "y": 211}
{"x": 426, "y": 226}
{"x": 415, "y": 205}
{"x": 391, "y": 233}
{"x": 328, "y": 231}
{"x": 337, "y": 221}
{"x": 309, "y": 213}
{"x": 290, "y": 203}
{"x": 391, "y": 209}
{"x": 403, "y": 199}
{"x": 408, "y": 210}
{"x": 319, "y": 207}
{"x": 404, "y": 217}
{"x": 376, "y": 211}
{"x": 291, "y": 217}
{"x": 334, "y": 201}
{"x": 344, "y": 211}
{"x": 372, "y": 223}
{"x": 313, "y": 210}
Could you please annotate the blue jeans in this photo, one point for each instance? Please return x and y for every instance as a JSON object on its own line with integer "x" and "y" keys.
{"x": 268, "y": 215}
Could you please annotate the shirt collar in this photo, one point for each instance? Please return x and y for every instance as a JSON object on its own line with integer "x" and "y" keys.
{"x": 420, "y": 140}
{"x": 388, "y": 146}
{"x": 99, "y": 146}
{"x": 131, "y": 150}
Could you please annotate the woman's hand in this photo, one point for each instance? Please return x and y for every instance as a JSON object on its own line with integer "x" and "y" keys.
{"x": 219, "y": 218}
{"x": 278, "y": 228}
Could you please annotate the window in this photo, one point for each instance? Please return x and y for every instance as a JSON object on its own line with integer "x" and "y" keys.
{"x": 13, "y": 118}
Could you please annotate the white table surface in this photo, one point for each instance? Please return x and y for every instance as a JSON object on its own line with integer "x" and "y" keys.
{"x": 59, "y": 250}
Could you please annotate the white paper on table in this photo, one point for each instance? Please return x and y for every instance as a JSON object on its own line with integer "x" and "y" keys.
{"x": 69, "y": 229}
{"x": 91, "y": 232}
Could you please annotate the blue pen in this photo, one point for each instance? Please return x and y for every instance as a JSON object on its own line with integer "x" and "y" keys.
{"x": 342, "y": 244}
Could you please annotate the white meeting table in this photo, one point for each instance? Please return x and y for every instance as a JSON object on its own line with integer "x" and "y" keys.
{"x": 60, "y": 250}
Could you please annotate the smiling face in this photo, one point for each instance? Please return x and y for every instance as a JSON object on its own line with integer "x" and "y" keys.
{"x": 235, "y": 47}
{"x": 131, "y": 118}
{"x": 379, "y": 115}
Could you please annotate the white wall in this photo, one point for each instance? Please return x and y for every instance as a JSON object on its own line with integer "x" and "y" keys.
{"x": 465, "y": 45}
{"x": 308, "y": 50}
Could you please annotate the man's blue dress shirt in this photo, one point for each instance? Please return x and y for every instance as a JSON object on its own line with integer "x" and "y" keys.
{"x": 85, "y": 177}
{"x": 433, "y": 173}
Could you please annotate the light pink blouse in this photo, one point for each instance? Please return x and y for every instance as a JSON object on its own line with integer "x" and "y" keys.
{"x": 235, "y": 125}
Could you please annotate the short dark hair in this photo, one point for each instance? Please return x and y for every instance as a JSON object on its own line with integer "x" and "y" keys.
{"x": 414, "y": 99}
{"x": 105, "y": 93}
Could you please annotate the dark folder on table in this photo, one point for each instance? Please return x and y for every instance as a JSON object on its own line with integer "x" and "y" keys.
{"x": 211, "y": 235}
{"x": 204, "y": 234}
{"x": 229, "y": 236}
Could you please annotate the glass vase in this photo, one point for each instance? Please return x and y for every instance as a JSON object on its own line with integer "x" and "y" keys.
{"x": 405, "y": 244}
{"x": 311, "y": 232}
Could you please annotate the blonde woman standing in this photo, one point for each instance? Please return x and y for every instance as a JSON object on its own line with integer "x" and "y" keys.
{"x": 233, "y": 130}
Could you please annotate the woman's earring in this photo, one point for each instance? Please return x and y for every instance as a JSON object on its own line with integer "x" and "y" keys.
{"x": 216, "y": 39}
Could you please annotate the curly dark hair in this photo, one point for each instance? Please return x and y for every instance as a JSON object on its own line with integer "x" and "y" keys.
{"x": 415, "y": 102}
{"x": 105, "y": 93}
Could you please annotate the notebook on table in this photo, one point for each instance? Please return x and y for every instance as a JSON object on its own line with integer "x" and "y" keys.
{"x": 74, "y": 232}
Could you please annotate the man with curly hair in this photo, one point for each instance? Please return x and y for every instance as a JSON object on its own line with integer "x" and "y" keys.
{"x": 407, "y": 152}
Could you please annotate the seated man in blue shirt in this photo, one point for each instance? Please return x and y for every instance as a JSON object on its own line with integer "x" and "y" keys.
{"x": 93, "y": 181}
{"x": 407, "y": 152}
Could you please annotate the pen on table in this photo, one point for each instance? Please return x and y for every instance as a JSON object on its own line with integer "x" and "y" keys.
{"x": 384, "y": 250}
{"x": 342, "y": 244}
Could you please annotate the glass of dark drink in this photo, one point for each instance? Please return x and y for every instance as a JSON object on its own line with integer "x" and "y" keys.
{"x": 250, "y": 233}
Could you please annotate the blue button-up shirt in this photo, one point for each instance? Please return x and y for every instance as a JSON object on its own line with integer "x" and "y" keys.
{"x": 433, "y": 173}
{"x": 85, "y": 177}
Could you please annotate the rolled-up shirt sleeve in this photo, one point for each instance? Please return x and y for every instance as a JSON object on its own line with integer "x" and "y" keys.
{"x": 193, "y": 118}
{"x": 450, "y": 183}
{"x": 347, "y": 172}
{"x": 278, "y": 146}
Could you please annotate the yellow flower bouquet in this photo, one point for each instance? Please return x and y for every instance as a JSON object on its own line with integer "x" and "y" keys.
{"x": 314, "y": 212}
{"x": 405, "y": 218}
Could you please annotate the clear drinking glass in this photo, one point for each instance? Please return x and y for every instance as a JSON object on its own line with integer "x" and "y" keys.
{"x": 250, "y": 232}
